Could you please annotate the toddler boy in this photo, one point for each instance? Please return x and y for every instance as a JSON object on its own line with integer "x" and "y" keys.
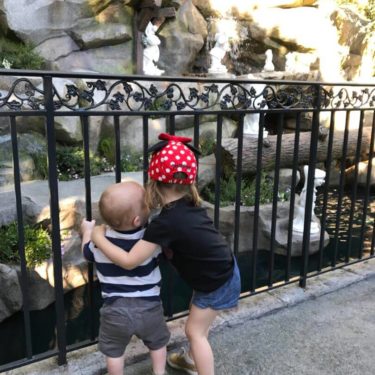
{"x": 132, "y": 304}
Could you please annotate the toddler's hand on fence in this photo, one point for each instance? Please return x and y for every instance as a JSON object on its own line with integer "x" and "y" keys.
{"x": 87, "y": 226}
{"x": 98, "y": 233}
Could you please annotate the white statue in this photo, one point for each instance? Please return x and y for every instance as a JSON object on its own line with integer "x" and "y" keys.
{"x": 251, "y": 120}
{"x": 218, "y": 52}
{"x": 151, "y": 51}
{"x": 268, "y": 66}
{"x": 299, "y": 219}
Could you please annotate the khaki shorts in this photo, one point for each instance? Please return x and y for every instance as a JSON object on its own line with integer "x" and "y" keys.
{"x": 126, "y": 317}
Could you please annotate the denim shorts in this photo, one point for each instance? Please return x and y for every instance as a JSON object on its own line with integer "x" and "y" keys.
{"x": 225, "y": 297}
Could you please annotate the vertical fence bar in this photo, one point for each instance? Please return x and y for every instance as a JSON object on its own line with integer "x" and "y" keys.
{"x": 367, "y": 190}
{"x": 341, "y": 189}
{"x": 145, "y": 148}
{"x": 87, "y": 174}
{"x": 237, "y": 210}
{"x": 326, "y": 189}
{"x": 54, "y": 208}
{"x": 171, "y": 124}
{"x": 254, "y": 256}
{"x": 116, "y": 120}
{"x": 21, "y": 239}
{"x": 196, "y": 130}
{"x": 292, "y": 197}
{"x": 354, "y": 191}
{"x": 196, "y": 139}
{"x": 218, "y": 156}
{"x": 310, "y": 189}
{"x": 271, "y": 259}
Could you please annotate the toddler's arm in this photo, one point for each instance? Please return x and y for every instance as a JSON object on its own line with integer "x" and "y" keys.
{"x": 136, "y": 256}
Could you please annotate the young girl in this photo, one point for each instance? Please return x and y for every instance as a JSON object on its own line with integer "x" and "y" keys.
{"x": 200, "y": 254}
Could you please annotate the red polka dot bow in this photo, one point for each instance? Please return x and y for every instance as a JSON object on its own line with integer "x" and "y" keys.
{"x": 173, "y": 161}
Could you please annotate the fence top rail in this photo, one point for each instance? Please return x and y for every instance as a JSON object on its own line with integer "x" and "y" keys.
{"x": 83, "y": 75}
{"x": 86, "y": 91}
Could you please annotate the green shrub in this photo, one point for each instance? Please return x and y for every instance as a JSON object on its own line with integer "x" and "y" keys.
{"x": 248, "y": 187}
{"x": 41, "y": 165}
{"x": 131, "y": 160}
{"x": 19, "y": 55}
{"x": 207, "y": 145}
{"x": 37, "y": 245}
{"x": 107, "y": 149}
{"x": 70, "y": 163}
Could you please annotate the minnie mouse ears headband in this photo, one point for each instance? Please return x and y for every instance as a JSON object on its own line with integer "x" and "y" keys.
{"x": 173, "y": 160}
{"x": 166, "y": 138}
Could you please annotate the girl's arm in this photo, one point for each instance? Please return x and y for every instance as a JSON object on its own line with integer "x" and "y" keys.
{"x": 136, "y": 256}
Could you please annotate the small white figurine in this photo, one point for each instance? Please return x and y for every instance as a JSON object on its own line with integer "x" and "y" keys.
{"x": 299, "y": 219}
{"x": 268, "y": 66}
{"x": 218, "y": 52}
{"x": 151, "y": 51}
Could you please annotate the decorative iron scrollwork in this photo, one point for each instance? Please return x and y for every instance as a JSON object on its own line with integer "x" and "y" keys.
{"x": 129, "y": 95}
{"x": 22, "y": 95}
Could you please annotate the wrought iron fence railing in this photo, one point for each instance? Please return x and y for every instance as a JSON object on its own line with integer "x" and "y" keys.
{"x": 309, "y": 123}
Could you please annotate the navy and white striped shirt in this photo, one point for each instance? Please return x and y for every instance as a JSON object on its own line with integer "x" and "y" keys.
{"x": 142, "y": 281}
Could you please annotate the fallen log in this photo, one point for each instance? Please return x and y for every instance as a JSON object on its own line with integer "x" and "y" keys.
{"x": 250, "y": 149}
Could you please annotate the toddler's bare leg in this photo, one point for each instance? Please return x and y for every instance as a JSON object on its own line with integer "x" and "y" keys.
{"x": 115, "y": 366}
{"x": 158, "y": 359}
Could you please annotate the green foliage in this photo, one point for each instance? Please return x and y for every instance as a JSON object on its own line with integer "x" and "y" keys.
{"x": 70, "y": 163}
{"x": 131, "y": 160}
{"x": 19, "y": 55}
{"x": 367, "y": 9}
{"x": 41, "y": 165}
{"x": 37, "y": 245}
{"x": 370, "y": 10}
{"x": 248, "y": 187}
{"x": 207, "y": 145}
{"x": 107, "y": 149}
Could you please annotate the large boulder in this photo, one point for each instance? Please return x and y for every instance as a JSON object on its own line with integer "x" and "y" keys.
{"x": 99, "y": 35}
{"x": 355, "y": 34}
{"x": 182, "y": 39}
{"x": 10, "y": 292}
{"x": 30, "y": 146}
{"x": 54, "y": 48}
{"x": 8, "y": 213}
{"x": 116, "y": 59}
{"x": 39, "y": 20}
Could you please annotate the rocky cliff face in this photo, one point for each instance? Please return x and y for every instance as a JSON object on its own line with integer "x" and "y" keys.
{"x": 98, "y": 35}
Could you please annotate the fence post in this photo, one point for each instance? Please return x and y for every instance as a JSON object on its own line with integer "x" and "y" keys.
{"x": 310, "y": 188}
{"x": 55, "y": 220}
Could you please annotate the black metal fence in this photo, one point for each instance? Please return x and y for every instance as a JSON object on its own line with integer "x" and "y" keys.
{"x": 332, "y": 136}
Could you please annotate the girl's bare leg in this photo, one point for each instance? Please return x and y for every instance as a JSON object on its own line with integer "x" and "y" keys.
{"x": 197, "y": 328}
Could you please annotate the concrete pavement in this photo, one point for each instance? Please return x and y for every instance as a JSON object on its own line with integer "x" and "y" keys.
{"x": 330, "y": 334}
{"x": 326, "y": 329}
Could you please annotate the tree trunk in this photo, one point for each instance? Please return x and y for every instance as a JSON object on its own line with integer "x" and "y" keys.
{"x": 250, "y": 148}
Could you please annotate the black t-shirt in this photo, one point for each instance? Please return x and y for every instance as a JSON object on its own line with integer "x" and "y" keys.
{"x": 200, "y": 254}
